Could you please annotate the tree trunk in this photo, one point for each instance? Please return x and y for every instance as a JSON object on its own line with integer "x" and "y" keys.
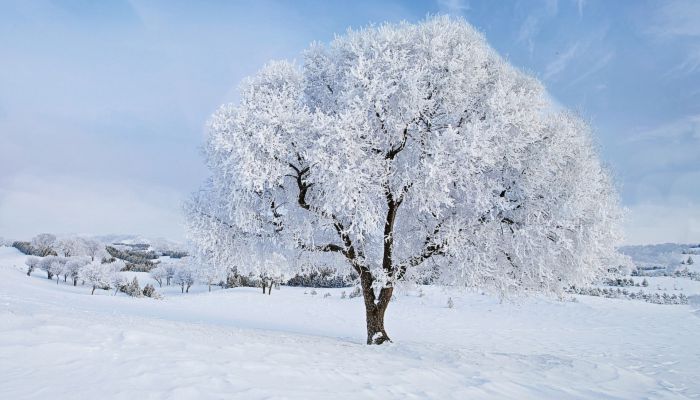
{"x": 375, "y": 310}
{"x": 263, "y": 285}
{"x": 93, "y": 290}
{"x": 269, "y": 289}
{"x": 50, "y": 275}
{"x": 75, "y": 281}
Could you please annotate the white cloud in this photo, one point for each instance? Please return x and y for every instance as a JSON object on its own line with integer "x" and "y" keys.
{"x": 530, "y": 27}
{"x": 580, "y": 4}
{"x": 454, "y": 6}
{"x": 685, "y": 128}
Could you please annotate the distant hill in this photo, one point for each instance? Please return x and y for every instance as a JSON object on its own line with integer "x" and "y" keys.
{"x": 666, "y": 255}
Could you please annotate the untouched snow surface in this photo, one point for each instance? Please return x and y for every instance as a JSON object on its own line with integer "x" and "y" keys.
{"x": 58, "y": 342}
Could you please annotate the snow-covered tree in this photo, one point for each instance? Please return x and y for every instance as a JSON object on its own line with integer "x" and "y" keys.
{"x": 95, "y": 274}
{"x": 93, "y": 248}
{"x": 69, "y": 246}
{"x": 53, "y": 265}
{"x": 114, "y": 275}
{"x": 73, "y": 267}
{"x": 158, "y": 273}
{"x": 43, "y": 243}
{"x": 406, "y": 152}
{"x": 45, "y": 265}
{"x": 184, "y": 277}
{"x": 57, "y": 265}
{"x": 211, "y": 273}
{"x": 32, "y": 263}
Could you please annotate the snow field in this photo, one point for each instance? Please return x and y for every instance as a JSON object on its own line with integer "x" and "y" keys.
{"x": 58, "y": 342}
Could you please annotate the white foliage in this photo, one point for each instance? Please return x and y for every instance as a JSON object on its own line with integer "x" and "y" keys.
{"x": 96, "y": 274}
{"x": 425, "y": 130}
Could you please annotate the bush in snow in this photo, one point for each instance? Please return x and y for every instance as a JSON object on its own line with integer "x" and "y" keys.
{"x": 150, "y": 291}
{"x": 450, "y": 303}
{"x": 132, "y": 289}
{"x": 343, "y": 295}
{"x": 356, "y": 292}
{"x": 655, "y": 298}
{"x": 322, "y": 277}
{"x": 326, "y": 295}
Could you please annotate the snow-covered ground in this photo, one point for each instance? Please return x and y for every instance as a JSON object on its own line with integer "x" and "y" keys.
{"x": 59, "y": 342}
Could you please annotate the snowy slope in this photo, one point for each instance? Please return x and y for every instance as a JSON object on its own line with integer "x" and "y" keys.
{"x": 58, "y": 342}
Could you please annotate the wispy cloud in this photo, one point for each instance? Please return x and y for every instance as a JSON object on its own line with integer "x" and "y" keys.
{"x": 580, "y": 4}
{"x": 677, "y": 18}
{"x": 454, "y": 6}
{"x": 689, "y": 65}
{"x": 560, "y": 63}
{"x": 601, "y": 63}
{"x": 531, "y": 26}
{"x": 683, "y": 129}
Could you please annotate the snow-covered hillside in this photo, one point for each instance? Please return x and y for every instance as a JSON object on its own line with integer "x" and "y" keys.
{"x": 667, "y": 256}
{"x": 59, "y": 342}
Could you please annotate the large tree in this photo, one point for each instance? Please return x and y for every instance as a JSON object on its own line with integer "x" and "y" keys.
{"x": 406, "y": 152}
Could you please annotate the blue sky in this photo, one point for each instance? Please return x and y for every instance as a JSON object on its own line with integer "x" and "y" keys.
{"x": 103, "y": 104}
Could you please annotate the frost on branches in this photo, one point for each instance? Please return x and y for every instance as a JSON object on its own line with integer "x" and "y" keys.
{"x": 406, "y": 152}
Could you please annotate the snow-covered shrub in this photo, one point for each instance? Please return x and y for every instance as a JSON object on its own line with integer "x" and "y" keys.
{"x": 313, "y": 292}
{"x": 450, "y": 303}
{"x": 343, "y": 295}
{"x": 150, "y": 291}
{"x": 132, "y": 289}
{"x": 326, "y": 295}
{"x": 356, "y": 292}
{"x": 323, "y": 277}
